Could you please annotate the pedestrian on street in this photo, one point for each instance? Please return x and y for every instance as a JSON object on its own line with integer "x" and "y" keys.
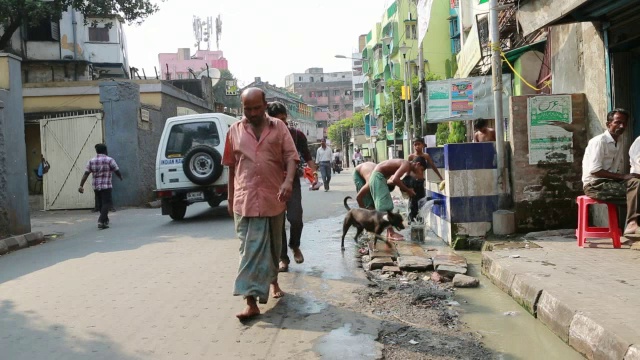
{"x": 324, "y": 157}
{"x": 258, "y": 151}
{"x": 389, "y": 172}
{"x": 357, "y": 158}
{"x": 101, "y": 167}
{"x": 294, "y": 205}
{"x": 602, "y": 170}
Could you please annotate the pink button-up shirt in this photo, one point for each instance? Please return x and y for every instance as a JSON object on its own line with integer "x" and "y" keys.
{"x": 259, "y": 166}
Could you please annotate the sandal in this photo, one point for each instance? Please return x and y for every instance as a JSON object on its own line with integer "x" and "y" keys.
{"x": 297, "y": 256}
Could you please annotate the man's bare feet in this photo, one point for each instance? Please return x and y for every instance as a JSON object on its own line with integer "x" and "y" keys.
{"x": 297, "y": 256}
{"x": 283, "y": 267}
{"x": 250, "y": 311}
{"x": 276, "y": 291}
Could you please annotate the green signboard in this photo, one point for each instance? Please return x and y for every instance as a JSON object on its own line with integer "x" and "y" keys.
{"x": 548, "y": 141}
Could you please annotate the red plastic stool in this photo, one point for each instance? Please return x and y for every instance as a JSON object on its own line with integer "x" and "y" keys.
{"x": 585, "y": 231}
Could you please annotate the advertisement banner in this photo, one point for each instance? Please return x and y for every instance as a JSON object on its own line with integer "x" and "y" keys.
{"x": 548, "y": 141}
{"x": 438, "y": 99}
{"x": 461, "y": 98}
{"x": 464, "y": 99}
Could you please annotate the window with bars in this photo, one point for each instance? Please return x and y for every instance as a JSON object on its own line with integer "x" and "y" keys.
{"x": 45, "y": 30}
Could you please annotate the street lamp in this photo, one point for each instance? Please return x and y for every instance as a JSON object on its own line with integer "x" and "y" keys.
{"x": 403, "y": 50}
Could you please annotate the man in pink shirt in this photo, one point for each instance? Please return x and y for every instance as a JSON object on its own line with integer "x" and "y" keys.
{"x": 262, "y": 161}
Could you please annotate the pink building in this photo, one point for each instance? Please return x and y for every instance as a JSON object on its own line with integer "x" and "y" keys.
{"x": 176, "y": 65}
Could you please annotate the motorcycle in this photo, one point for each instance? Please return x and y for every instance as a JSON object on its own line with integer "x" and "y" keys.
{"x": 337, "y": 166}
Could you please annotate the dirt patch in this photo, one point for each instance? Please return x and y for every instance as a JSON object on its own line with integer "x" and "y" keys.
{"x": 420, "y": 320}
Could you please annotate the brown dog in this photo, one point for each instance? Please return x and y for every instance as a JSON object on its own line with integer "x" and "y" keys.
{"x": 371, "y": 220}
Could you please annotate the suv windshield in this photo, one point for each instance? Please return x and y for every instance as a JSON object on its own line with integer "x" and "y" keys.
{"x": 185, "y": 136}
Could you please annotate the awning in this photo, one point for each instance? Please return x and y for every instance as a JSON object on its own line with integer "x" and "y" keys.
{"x": 536, "y": 14}
{"x": 514, "y": 54}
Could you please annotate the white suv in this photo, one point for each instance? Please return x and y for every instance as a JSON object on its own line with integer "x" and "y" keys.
{"x": 189, "y": 162}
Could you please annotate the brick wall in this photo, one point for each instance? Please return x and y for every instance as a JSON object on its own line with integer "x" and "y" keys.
{"x": 544, "y": 194}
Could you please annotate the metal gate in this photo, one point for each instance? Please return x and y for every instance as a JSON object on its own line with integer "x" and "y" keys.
{"x": 68, "y": 144}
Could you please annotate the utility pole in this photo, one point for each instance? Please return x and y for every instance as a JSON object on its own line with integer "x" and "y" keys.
{"x": 413, "y": 110}
{"x": 393, "y": 116}
{"x": 403, "y": 50}
{"x": 423, "y": 89}
{"x": 496, "y": 75}
{"x": 406, "y": 98}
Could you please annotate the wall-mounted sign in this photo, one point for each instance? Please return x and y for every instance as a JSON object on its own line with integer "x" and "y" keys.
{"x": 548, "y": 142}
{"x": 231, "y": 88}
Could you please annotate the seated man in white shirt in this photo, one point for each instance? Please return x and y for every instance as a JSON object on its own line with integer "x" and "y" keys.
{"x": 602, "y": 170}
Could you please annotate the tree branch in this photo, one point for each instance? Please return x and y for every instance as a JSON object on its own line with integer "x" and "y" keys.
{"x": 5, "y": 39}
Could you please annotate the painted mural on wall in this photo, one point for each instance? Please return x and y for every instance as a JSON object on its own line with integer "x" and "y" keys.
{"x": 548, "y": 141}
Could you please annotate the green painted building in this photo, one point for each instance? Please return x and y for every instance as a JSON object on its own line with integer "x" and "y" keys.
{"x": 382, "y": 60}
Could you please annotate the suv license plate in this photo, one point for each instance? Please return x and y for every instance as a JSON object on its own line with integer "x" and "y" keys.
{"x": 193, "y": 196}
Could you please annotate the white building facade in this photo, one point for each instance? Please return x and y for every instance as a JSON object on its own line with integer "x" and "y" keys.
{"x": 73, "y": 48}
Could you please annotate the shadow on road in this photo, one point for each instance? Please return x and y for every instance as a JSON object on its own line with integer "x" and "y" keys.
{"x": 50, "y": 341}
{"x": 130, "y": 229}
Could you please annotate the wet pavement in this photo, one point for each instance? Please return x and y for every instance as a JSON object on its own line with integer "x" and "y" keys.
{"x": 152, "y": 288}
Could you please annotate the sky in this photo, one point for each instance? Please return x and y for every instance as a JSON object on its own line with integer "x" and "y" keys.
{"x": 260, "y": 38}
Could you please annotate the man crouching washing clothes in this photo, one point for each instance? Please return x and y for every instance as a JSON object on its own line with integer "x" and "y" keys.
{"x": 602, "y": 170}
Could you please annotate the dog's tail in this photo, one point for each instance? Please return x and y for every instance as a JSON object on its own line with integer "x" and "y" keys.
{"x": 345, "y": 203}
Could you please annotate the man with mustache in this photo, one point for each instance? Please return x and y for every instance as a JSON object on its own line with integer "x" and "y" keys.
{"x": 602, "y": 170}
{"x": 258, "y": 151}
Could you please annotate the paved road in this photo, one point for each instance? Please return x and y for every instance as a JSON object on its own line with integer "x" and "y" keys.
{"x": 152, "y": 288}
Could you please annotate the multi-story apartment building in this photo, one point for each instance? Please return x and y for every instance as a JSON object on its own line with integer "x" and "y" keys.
{"x": 182, "y": 65}
{"x": 331, "y": 94}
{"x": 300, "y": 112}
{"x": 72, "y": 48}
{"x": 383, "y": 60}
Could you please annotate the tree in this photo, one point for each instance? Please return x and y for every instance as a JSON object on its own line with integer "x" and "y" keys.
{"x": 338, "y": 132}
{"x": 386, "y": 112}
{"x": 220, "y": 91}
{"x": 16, "y": 13}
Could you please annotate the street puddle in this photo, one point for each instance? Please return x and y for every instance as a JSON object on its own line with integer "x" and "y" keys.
{"x": 323, "y": 257}
{"x": 505, "y": 326}
{"x": 308, "y": 305}
{"x": 342, "y": 344}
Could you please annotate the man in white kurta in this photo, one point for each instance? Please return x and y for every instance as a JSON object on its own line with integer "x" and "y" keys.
{"x": 603, "y": 174}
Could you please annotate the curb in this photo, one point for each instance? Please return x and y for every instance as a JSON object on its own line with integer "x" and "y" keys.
{"x": 577, "y": 329}
{"x": 20, "y": 242}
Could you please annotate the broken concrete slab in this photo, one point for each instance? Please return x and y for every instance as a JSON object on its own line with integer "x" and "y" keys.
{"x": 450, "y": 260}
{"x": 382, "y": 249}
{"x": 464, "y": 281}
{"x": 379, "y": 263}
{"x": 409, "y": 249}
{"x": 415, "y": 263}
{"x": 526, "y": 291}
{"x": 391, "y": 269}
{"x": 451, "y": 270}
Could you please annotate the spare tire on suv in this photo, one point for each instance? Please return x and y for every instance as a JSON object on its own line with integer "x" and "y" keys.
{"x": 202, "y": 164}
